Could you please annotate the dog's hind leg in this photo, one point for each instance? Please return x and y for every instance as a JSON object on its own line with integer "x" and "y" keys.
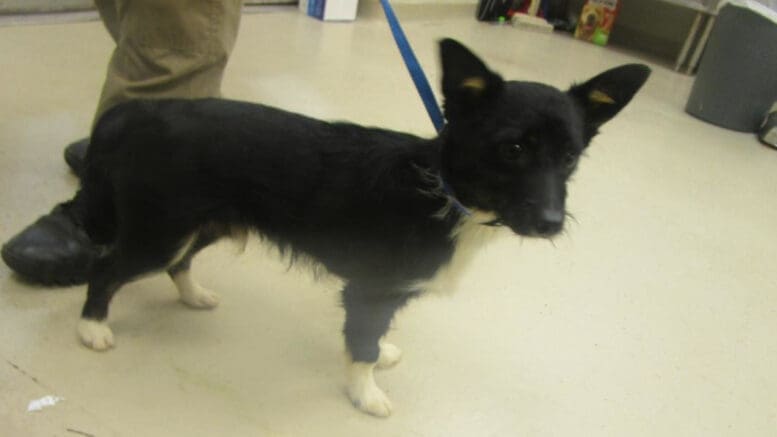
{"x": 193, "y": 294}
{"x": 132, "y": 257}
{"x": 368, "y": 315}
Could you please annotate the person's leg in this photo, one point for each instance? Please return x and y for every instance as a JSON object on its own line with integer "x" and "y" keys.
{"x": 75, "y": 151}
{"x": 109, "y": 16}
{"x": 164, "y": 48}
{"x": 170, "y": 48}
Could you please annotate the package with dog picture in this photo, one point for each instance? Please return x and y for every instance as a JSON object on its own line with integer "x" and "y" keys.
{"x": 596, "y": 20}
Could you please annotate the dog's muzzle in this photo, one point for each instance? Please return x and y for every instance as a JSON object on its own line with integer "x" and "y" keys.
{"x": 540, "y": 210}
{"x": 549, "y": 222}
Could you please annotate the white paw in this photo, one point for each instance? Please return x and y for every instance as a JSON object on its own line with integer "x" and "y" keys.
{"x": 364, "y": 393}
{"x": 199, "y": 297}
{"x": 193, "y": 294}
{"x": 389, "y": 356}
{"x": 371, "y": 400}
{"x": 95, "y": 335}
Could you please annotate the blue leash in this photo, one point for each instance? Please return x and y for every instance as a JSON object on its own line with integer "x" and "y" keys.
{"x": 414, "y": 68}
{"x": 421, "y": 85}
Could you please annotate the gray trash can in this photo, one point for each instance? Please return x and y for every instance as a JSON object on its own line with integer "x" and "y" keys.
{"x": 736, "y": 82}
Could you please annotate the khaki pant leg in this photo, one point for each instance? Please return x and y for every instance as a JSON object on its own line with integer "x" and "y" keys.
{"x": 169, "y": 48}
{"x": 108, "y": 14}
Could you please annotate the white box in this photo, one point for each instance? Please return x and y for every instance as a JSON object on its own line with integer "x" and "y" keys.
{"x": 330, "y": 10}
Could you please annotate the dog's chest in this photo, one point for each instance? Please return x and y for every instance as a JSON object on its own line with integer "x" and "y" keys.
{"x": 469, "y": 236}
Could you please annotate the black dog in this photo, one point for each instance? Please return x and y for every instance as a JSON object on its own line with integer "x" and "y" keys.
{"x": 390, "y": 213}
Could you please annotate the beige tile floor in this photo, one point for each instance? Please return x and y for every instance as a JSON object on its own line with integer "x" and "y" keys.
{"x": 655, "y": 315}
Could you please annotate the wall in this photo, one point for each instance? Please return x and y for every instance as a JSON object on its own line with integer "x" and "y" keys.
{"x": 13, "y": 6}
{"x": 31, "y": 6}
{"x": 652, "y": 26}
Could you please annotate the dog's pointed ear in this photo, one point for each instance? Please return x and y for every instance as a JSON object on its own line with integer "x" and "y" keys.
{"x": 466, "y": 81}
{"x": 603, "y": 96}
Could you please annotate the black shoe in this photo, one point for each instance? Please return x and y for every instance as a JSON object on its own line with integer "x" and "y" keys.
{"x": 54, "y": 250}
{"x": 74, "y": 155}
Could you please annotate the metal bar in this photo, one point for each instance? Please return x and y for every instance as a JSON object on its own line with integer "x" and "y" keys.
{"x": 688, "y": 41}
{"x": 700, "y": 45}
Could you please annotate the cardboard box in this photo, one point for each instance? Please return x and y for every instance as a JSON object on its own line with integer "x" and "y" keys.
{"x": 330, "y": 10}
{"x": 596, "y": 20}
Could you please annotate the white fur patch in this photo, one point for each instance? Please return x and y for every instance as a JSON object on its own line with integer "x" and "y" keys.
{"x": 239, "y": 235}
{"x": 95, "y": 335}
{"x": 389, "y": 355}
{"x": 194, "y": 294}
{"x": 364, "y": 393}
{"x": 469, "y": 236}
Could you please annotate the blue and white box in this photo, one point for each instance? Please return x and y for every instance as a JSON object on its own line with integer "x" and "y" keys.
{"x": 330, "y": 10}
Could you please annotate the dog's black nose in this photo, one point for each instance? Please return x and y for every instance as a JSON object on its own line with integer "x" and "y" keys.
{"x": 550, "y": 221}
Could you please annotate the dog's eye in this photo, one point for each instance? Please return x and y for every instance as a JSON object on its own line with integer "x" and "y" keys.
{"x": 512, "y": 152}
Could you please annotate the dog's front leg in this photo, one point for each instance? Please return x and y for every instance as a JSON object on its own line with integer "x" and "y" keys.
{"x": 368, "y": 314}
